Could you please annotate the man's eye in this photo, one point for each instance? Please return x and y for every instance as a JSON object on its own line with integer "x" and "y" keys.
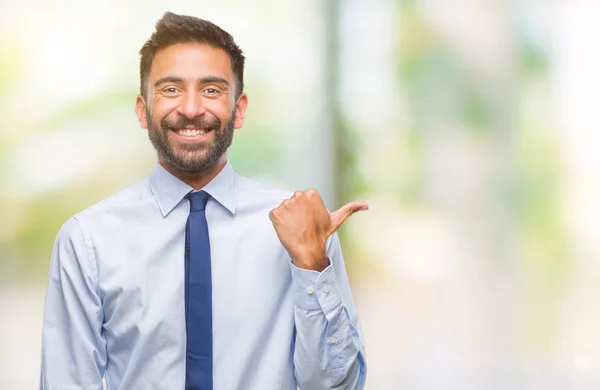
{"x": 171, "y": 90}
{"x": 211, "y": 91}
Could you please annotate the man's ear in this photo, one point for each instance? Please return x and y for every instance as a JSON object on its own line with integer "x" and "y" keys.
{"x": 240, "y": 110}
{"x": 140, "y": 110}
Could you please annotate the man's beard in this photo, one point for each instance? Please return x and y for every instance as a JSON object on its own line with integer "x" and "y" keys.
{"x": 191, "y": 157}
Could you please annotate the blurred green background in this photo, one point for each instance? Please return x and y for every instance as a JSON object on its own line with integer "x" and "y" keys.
{"x": 469, "y": 126}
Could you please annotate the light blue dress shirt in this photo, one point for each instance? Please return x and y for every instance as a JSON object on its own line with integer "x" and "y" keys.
{"x": 115, "y": 297}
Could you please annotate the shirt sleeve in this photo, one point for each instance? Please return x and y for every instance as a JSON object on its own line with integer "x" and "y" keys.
{"x": 329, "y": 351}
{"x": 73, "y": 345}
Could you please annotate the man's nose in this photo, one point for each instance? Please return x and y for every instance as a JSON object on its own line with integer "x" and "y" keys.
{"x": 191, "y": 105}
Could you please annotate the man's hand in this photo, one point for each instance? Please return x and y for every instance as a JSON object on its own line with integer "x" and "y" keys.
{"x": 303, "y": 224}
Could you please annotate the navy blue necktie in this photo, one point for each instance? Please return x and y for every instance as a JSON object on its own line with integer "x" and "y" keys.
{"x": 198, "y": 297}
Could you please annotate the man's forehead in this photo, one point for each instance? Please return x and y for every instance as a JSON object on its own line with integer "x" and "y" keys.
{"x": 191, "y": 61}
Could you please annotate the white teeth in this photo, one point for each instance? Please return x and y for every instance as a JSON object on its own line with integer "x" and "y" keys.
{"x": 191, "y": 132}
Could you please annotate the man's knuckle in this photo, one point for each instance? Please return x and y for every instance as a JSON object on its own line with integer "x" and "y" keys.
{"x": 312, "y": 193}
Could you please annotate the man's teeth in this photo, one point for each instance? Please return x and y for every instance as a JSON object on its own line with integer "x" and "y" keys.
{"x": 191, "y": 132}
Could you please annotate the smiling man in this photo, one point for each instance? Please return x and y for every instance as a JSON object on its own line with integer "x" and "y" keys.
{"x": 196, "y": 277}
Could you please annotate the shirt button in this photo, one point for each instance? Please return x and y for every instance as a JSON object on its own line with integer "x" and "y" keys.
{"x": 325, "y": 289}
{"x": 332, "y": 340}
{"x": 310, "y": 290}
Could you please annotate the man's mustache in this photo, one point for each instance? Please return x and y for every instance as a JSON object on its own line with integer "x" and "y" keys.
{"x": 198, "y": 123}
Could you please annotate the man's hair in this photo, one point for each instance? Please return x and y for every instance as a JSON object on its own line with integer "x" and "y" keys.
{"x": 172, "y": 29}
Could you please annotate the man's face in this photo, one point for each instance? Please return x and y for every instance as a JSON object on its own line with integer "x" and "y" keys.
{"x": 190, "y": 109}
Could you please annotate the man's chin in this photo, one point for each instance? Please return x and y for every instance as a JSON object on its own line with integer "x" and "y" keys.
{"x": 197, "y": 164}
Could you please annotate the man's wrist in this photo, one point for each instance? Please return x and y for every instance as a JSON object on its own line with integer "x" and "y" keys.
{"x": 315, "y": 259}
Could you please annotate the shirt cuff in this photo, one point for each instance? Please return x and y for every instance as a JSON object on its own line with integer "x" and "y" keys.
{"x": 315, "y": 290}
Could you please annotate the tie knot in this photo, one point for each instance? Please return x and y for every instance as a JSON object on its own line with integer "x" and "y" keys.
{"x": 198, "y": 200}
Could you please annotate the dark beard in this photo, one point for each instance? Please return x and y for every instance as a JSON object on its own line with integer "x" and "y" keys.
{"x": 191, "y": 158}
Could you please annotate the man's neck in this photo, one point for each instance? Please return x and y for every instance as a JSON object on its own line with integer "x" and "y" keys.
{"x": 196, "y": 180}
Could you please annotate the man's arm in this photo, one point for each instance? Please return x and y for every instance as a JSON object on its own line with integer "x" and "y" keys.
{"x": 329, "y": 352}
{"x": 73, "y": 345}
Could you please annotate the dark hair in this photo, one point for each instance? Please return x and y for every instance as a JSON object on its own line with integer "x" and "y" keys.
{"x": 172, "y": 29}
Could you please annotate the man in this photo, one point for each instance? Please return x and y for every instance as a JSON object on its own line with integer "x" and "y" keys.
{"x": 196, "y": 277}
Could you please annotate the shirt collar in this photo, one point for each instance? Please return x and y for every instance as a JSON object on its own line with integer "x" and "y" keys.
{"x": 169, "y": 190}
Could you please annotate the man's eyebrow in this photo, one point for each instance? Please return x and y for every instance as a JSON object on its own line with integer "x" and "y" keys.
{"x": 213, "y": 79}
{"x": 203, "y": 80}
{"x": 168, "y": 79}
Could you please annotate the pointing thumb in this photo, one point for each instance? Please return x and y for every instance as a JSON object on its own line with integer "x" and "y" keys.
{"x": 338, "y": 217}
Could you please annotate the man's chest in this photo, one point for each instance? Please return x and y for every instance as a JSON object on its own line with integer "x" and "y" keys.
{"x": 141, "y": 275}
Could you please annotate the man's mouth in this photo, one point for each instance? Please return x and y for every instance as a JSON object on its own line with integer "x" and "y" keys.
{"x": 191, "y": 132}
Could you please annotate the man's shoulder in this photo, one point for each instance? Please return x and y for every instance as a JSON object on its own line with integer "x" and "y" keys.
{"x": 99, "y": 213}
{"x": 256, "y": 188}
{"x": 131, "y": 197}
